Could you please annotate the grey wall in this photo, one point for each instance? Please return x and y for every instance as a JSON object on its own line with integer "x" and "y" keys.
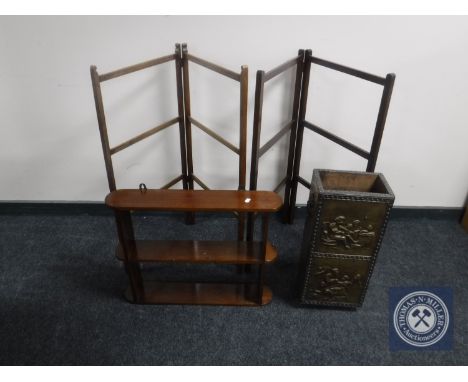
{"x": 49, "y": 142}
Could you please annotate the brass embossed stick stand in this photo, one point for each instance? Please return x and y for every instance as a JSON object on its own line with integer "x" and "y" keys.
{"x": 347, "y": 217}
{"x": 134, "y": 252}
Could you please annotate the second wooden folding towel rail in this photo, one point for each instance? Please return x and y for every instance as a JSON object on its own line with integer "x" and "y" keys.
{"x": 302, "y": 63}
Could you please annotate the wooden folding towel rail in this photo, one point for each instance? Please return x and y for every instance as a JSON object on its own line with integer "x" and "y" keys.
{"x": 184, "y": 119}
{"x": 302, "y": 63}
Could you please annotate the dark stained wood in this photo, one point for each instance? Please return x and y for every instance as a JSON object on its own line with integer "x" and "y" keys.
{"x": 136, "y": 67}
{"x": 274, "y": 139}
{"x": 300, "y": 135}
{"x": 144, "y": 135}
{"x": 280, "y": 69}
{"x": 464, "y": 221}
{"x": 214, "y": 135}
{"x": 261, "y": 267}
{"x": 127, "y": 243}
{"x": 380, "y": 124}
{"x": 102, "y": 127}
{"x": 293, "y": 178}
{"x": 280, "y": 184}
{"x": 244, "y": 101}
{"x": 348, "y": 70}
{"x": 190, "y": 217}
{"x": 257, "y": 127}
{"x": 241, "y": 217}
{"x": 194, "y": 200}
{"x": 200, "y": 183}
{"x": 180, "y": 109}
{"x": 172, "y": 182}
{"x": 216, "y": 68}
{"x": 188, "y": 112}
{"x": 201, "y": 294}
{"x": 194, "y": 251}
{"x": 189, "y": 120}
{"x": 342, "y": 142}
{"x": 304, "y": 182}
{"x": 293, "y": 135}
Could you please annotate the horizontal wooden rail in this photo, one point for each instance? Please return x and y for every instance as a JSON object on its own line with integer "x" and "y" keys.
{"x": 304, "y": 182}
{"x": 280, "y": 69}
{"x": 135, "y": 68}
{"x": 214, "y": 135}
{"x": 332, "y": 137}
{"x": 216, "y": 68}
{"x": 172, "y": 182}
{"x": 144, "y": 135}
{"x": 345, "y": 69}
{"x": 280, "y": 184}
{"x": 274, "y": 139}
{"x": 199, "y": 182}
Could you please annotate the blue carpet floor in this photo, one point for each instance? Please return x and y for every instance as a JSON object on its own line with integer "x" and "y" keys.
{"x": 61, "y": 299}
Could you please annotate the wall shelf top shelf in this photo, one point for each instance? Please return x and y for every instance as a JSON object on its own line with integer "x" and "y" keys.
{"x": 193, "y": 200}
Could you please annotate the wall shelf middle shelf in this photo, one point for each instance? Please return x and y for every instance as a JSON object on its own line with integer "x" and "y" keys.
{"x": 198, "y": 251}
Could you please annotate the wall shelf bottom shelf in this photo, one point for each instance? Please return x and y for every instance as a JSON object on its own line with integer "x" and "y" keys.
{"x": 181, "y": 293}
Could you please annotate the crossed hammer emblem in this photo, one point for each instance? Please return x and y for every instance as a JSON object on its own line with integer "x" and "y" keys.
{"x": 425, "y": 313}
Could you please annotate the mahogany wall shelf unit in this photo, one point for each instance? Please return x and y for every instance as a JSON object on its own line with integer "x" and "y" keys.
{"x": 302, "y": 64}
{"x": 133, "y": 252}
{"x": 253, "y": 253}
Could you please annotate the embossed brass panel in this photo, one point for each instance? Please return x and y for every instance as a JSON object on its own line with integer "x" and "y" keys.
{"x": 336, "y": 279}
{"x": 350, "y": 228}
{"x": 348, "y": 213}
